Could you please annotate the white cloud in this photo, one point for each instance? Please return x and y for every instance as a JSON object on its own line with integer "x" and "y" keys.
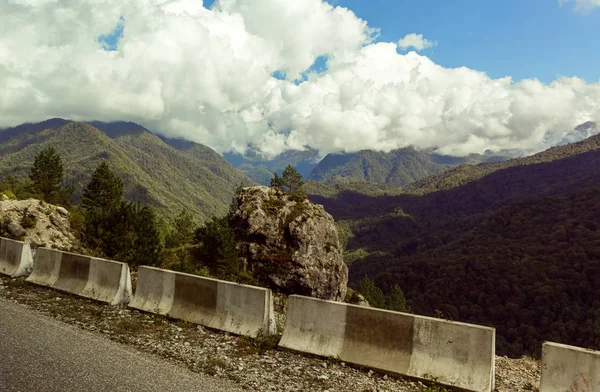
{"x": 415, "y": 41}
{"x": 584, "y": 6}
{"x": 188, "y": 71}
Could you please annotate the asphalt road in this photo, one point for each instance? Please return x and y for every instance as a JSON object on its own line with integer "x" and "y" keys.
{"x": 41, "y": 354}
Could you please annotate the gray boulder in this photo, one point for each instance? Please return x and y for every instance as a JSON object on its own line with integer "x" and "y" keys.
{"x": 292, "y": 246}
{"x": 15, "y": 230}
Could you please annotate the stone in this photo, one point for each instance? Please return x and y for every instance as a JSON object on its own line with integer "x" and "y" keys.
{"x": 63, "y": 211}
{"x": 15, "y": 230}
{"x": 52, "y": 229}
{"x": 290, "y": 245}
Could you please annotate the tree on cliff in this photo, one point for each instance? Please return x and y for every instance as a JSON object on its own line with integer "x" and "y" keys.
{"x": 290, "y": 182}
{"x": 46, "y": 174}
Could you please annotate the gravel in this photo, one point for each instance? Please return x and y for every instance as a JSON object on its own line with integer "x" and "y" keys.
{"x": 256, "y": 365}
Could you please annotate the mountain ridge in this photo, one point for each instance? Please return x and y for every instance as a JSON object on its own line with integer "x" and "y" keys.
{"x": 154, "y": 172}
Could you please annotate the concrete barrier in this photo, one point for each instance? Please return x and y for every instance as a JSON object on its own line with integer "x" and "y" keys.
{"x": 90, "y": 277}
{"x": 455, "y": 354}
{"x": 568, "y": 368}
{"x": 15, "y": 258}
{"x": 240, "y": 309}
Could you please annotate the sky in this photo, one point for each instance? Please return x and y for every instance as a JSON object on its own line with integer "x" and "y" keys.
{"x": 460, "y": 77}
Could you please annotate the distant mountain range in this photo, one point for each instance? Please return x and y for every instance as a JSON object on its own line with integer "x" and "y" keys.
{"x": 581, "y": 132}
{"x": 261, "y": 170}
{"x": 514, "y": 245}
{"x": 397, "y": 168}
{"x": 169, "y": 174}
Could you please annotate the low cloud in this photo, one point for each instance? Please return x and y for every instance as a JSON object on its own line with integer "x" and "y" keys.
{"x": 415, "y": 41}
{"x": 207, "y": 75}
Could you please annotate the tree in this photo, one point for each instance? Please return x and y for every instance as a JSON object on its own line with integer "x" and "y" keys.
{"x": 104, "y": 191}
{"x": 372, "y": 293}
{"x": 47, "y": 173}
{"x": 182, "y": 230}
{"x": 218, "y": 249}
{"x": 128, "y": 233}
{"x": 290, "y": 182}
{"x": 396, "y": 301}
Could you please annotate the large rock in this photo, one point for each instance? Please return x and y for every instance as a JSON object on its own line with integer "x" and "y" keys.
{"x": 46, "y": 224}
{"x": 291, "y": 245}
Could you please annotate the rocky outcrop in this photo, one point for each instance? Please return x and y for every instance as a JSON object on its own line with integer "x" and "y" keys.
{"x": 291, "y": 245}
{"x": 37, "y": 223}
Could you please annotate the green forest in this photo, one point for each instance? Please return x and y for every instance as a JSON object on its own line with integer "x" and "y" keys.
{"x": 518, "y": 250}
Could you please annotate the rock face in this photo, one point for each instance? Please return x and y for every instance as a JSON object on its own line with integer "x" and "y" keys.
{"x": 38, "y": 223}
{"x": 291, "y": 245}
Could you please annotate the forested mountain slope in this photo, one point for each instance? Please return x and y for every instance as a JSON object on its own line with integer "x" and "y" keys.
{"x": 261, "y": 170}
{"x": 396, "y": 168}
{"x": 466, "y": 173}
{"x": 195, "y": 178}
{"x": 518, "y": 249}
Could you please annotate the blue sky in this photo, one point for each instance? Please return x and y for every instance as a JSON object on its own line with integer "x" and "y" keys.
{"x": 519, "y": 38}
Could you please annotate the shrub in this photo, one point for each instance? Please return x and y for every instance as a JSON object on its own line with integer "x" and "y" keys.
{"x": 28, "y": 221}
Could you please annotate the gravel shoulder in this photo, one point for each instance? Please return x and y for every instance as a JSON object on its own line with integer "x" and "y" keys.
{"x": 256, "y": 365}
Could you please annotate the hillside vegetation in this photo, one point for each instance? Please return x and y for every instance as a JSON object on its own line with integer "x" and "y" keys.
{"x": 518, "y": 249}
{"x": 396, "y": 168}
{"x": 466, "y": 173}
{"x": 193, "y": 177}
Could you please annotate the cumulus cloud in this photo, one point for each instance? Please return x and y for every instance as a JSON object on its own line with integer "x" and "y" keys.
{"x": 584, "y": 6}
{"x": 207, "y": 75}
{"x": 416, "y": 41}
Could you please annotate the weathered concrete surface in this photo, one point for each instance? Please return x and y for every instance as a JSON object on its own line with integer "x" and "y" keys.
{"x": 99, "y": 279}
{"x": 47, "y": 267}
{"x": 39, "y": 354}
{"x": 569, "y": 369}
{"x": 155, "y": 290}
{"x": 456, "y": 354}
{"x": 15, "y": 258}
{"x": 240, "y": 309}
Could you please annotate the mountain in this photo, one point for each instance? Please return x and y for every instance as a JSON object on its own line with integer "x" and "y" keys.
{"x": 464, "y": 174}
{"x": 261, "y": 170}
{"x": 517, "y": 249}
{"x": 396, "y": 168}
{"x": 190, "y": 176}
{"x": 581, "y": 132}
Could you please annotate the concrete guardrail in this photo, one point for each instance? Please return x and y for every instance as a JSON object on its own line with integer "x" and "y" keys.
{"x": 16, "y": 258}
{"x": 90, "y": 277}
{"x": 455, "y": 354}
{"x": 568, "y": 368}
{"x": 240, "y": 309}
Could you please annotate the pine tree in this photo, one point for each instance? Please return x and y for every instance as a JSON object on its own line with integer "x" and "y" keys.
{"x": 182, "y": 230}
{"x": 47, "y": 173}
{"x": 218, "y": 251}
{"x": 104, "y": 191}
{"x": 372, "y": 293}
{"x": 290, "y": 182}
{"x": 396, "y": 301}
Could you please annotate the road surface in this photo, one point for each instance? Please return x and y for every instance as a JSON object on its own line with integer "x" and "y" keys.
{"x": 40, "y": 354}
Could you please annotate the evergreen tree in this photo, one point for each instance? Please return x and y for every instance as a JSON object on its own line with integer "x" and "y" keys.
{"x": 218, "y": 249}
{"x": 290, "y": 182}
{"x": 182, "y": 230}
{"x": 47, "y": 173}
{"x": 372, "y": 293}
{"x": 104, "y": 191}
{"x": 396, "y": 301}
{"x": 147, "y": 243}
